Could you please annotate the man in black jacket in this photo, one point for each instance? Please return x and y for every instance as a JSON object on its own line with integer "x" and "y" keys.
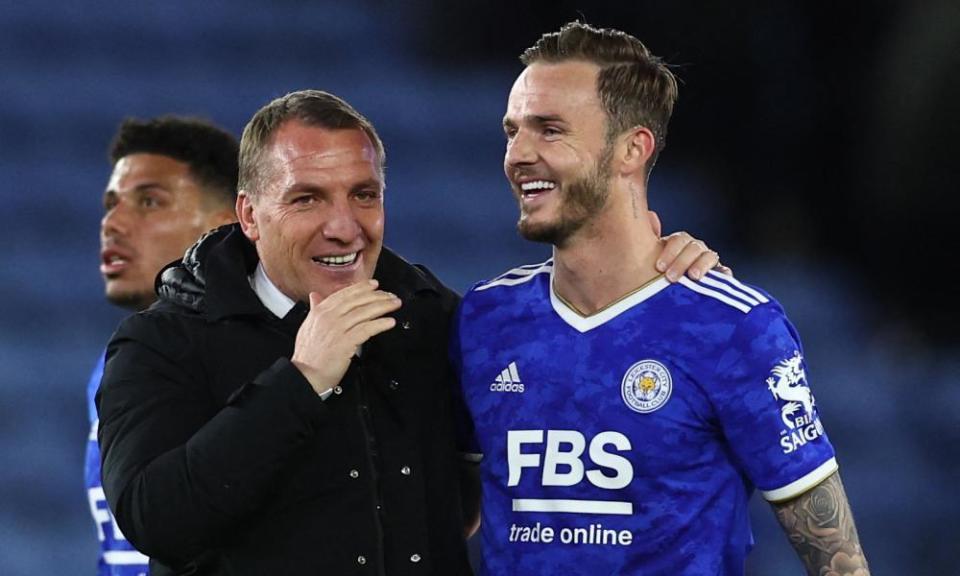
{"x": 243, "y": 433}
{"x": 285, "y": 407}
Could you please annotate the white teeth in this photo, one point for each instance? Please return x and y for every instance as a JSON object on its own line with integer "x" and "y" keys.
{"x": 344, "y": 260}
{"x": 537, "y": 185}
{"x": 116, "y": 260}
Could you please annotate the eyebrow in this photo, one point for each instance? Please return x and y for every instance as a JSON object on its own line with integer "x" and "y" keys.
{"x": 139, "y": 189}
{"x": 302, "y": 188}
{"x": 375, "y": 182}
{"x": 538, "y": 119}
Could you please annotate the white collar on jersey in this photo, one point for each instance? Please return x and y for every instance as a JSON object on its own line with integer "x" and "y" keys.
{"x": 268, "y": 293}
{"x": 582, "y": 323}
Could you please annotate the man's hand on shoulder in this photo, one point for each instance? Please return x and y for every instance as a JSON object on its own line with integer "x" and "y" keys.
{"x": 684, "y": 254}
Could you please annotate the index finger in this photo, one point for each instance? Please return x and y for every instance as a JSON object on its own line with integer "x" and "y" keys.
{"x": 673, "y": 245}
{"x": 345, "y": 293}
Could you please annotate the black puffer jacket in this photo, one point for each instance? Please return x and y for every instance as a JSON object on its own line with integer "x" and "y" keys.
{"x": 218, "y": 457}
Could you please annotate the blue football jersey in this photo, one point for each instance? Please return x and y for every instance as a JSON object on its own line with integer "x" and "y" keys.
{"x": 630, "y": 441}
{"x": 117, "y": 556}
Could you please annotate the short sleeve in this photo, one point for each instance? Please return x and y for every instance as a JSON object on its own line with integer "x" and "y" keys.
{"x": 767, "y": 410}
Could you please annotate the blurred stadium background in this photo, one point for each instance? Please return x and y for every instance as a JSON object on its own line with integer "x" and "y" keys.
{"x": 815, "y": 146}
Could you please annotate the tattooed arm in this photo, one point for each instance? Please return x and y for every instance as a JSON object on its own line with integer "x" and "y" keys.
{"x": 820, "y": 527}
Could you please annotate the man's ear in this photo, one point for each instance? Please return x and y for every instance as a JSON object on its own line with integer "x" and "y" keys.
{"x": 245, "y": 215}
{"x": 640, "y": 146}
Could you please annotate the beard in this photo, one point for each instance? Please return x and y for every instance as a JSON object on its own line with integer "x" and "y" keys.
{"x": 580, "y": 201}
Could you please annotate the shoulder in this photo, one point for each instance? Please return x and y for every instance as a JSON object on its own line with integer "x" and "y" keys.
{"x": 512, "y": 282}
{"x": 153, "y": 347}
{"x": 746, "y": 326}
{"x": 428, "y": 280}
{"x": 730, "y": 313}
{"x": 414, "y": 282}
{"x": 165, "y": 325}
{"x": 394, "y": 270}
{"x": 725, "y": 293}
{"x": 507, "y": 294}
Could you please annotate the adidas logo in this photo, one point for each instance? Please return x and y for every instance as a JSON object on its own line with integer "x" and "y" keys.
{"x": 508, "y": 380}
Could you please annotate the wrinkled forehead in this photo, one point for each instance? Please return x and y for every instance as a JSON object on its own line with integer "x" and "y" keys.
{"x": 300, "y": 154}
{"x": 296, "y": 142}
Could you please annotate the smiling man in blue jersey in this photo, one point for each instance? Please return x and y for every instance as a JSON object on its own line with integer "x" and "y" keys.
{"x": 624, "y": 421}
{"x": 173, "y": 179}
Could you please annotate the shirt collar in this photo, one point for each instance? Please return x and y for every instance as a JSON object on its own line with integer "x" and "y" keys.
{"x": 394, "y": 273}
{"x": 270, "y": 296}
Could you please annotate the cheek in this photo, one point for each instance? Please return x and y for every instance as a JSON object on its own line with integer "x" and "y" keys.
{"x": 169, "y": 234}
{"x": 287, "y": 234}
{"x": 568, "y": 156}
{"x": 270, "y": 230}
{"x": 372, "y": 224}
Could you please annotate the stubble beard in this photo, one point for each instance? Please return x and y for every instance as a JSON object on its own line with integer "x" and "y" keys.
{"x": 581, "y": 200}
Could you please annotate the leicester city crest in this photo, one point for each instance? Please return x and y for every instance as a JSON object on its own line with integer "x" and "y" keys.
{"x": 646, "y": 386}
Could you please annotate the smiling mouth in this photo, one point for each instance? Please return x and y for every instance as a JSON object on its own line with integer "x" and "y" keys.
{"x": 340, "y": 261}
{"x": 535, "y": 188}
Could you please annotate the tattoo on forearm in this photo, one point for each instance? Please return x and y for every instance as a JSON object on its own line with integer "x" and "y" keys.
{"x": 820, "y": 527}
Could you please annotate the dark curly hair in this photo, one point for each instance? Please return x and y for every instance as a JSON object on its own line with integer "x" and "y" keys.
{"x": 211, "y": 152}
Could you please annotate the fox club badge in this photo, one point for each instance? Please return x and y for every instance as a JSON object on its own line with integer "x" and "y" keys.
{"x": 646, "y": 386}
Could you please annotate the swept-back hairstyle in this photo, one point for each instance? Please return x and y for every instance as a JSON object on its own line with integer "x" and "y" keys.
{"x": 635, "y": 87}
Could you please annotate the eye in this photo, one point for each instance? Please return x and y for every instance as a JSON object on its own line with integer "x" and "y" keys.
{"x": 303, "y": 200}
{"x": 367, "y": 195}
{"x": 149, "y": 201}
{"x": 109, "y": 203}
{"x": 551, "y": 131}
{"x": 510, "y": 132}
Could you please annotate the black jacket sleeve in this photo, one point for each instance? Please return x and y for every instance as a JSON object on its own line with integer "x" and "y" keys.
{"x": 181, "y": 470}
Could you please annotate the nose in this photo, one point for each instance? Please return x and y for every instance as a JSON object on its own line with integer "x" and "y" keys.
{"x": 521, "y": 150}
{"x": 340, "y": 223}
{"x": 116, "y": 221}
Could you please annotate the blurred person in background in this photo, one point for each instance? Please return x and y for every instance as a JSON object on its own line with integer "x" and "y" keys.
{"x": 173, "y": 179}
{"x": 623, "y": 421}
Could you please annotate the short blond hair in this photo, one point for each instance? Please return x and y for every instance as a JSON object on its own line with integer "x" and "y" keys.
{"x": 311, "y": 107}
